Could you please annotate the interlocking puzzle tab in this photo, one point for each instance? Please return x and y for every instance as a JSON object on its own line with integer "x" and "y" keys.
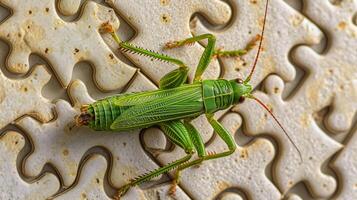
{"x": 285, "y": 28}
{"x": 158, "y": 22}
{"x": 35, "y": 27}
{"x": 12, "y": 186}
{"x": 296, "y": 114}
{"x": 335, "y": 71}
{"x": 23, "y": 97}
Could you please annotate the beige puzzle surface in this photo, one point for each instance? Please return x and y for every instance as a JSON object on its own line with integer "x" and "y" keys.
{"x": 20, "y": 97}
{"x": 285, "y": 29}
{"x": 34, "y": 27}
{"x": 91, "y": 187}
{"x": 347, "y": 169}
{"x": 307, "y": 75}
{"x": 335, "y": 70}
{"x": 12, "y": 186}
{"x": 315, "y": 145}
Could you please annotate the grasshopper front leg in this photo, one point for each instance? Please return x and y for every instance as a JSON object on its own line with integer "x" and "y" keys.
{"x": 221, "y": 131}
{"x": 210, "y": 51}
{"x": 196, "y": 138}
{"x": 172, "y": 79}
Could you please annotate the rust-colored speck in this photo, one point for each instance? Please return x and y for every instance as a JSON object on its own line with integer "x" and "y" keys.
{"x": 165, "y": 18}
{"x": 65, "y": 152}
{"x": 111, "y": 56}
{"x": 342, "y": 25}
{"x": 76, "y": 50}
{"x": 164, "y": 2}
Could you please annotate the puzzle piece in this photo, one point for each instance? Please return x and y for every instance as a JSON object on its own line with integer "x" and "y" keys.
{"x": 231, "y": 196}
{"x": 346, "y": 166}
{"x": 158, "y": 22}
{"x": 12, "y": 186}
{"x": 68, "y": 7}
{"x": 244, "y": 169}
{"x": 161, "y": 192}
{"x": 296, "y": 115}
{"x": 21, "y": 97}
{"x": 335, "y": 71}
{"x": 294, "y": 197}
{"x": 35, "y": 27}
{"x": 285, "y": 28}
{"x": 90, "y": 185}
{"x": 129, "y": 159}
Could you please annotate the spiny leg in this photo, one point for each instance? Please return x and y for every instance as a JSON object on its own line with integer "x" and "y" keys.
{"x": 172, "y": 79}
{"x": 210, "y": 51}
{"x": 178, "y": 134}
{"x": 239, "y": 52}
{"x": 206, "y": 55}
{"x": 200, "y": 148}
{"x": 224, "y": 134}
{"x": 150, "y": 175}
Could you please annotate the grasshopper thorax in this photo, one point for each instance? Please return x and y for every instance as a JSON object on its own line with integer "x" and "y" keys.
{"x": 221, "y": 94}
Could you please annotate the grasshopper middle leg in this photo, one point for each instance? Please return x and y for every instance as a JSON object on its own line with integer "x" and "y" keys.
{"x": 222, "y": 132}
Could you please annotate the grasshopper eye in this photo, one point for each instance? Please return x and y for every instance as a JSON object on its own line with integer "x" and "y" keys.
{"x": 241, "y": 99}
{"x": 239, "y": 81}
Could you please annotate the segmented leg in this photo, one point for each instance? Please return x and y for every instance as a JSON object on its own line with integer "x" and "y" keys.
{"x": 210, "y": 51}
{"x": 170, "y": 80}
{"x": 200, "y": 148}
{"x": 178, "y": 134}
{"x": 206, "y": 55}
{"x": 239, "y": 52}
{"x": 149, "y": 176}
{"x": 223, "y": 133}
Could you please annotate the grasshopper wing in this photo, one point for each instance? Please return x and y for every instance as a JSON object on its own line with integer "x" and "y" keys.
{"x": 181, "y": 102}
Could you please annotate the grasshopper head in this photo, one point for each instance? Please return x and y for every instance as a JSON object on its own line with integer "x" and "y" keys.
{"x": 241, "y": 90}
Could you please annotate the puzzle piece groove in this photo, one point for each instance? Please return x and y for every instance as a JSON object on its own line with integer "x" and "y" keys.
{"x": 23, "y": 97}
{"x": 285, "y": 28}
{"x": 35, "y": 27}
{"x": 296, "y": 114}
{"x": 335, "y": 71}
{"x": 12, "y": 186}
{"x": 158, "y": 22}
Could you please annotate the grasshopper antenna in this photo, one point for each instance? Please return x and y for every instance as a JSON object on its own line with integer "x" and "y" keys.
{"x": 260, "y": 45}
{"x": 277, "y": 121}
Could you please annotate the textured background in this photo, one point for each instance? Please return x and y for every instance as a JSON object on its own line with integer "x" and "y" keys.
{"x": 53, "y": 59}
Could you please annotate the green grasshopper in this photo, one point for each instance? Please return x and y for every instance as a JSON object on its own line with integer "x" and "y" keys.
{"x": 175, "y": 104}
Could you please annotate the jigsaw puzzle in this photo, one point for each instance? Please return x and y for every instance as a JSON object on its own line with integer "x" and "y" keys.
{"x": 13, "y": 187}
{"x": 35, "y": 27}
{"x": 294, "y": 79}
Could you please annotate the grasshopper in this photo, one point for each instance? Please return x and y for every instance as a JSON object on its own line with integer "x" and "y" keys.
{"x": 175, "y": 104}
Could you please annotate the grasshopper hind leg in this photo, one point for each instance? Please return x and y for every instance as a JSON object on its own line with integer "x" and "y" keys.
{"x": 200, "y": 148}
{"x": 178, "y": 134}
